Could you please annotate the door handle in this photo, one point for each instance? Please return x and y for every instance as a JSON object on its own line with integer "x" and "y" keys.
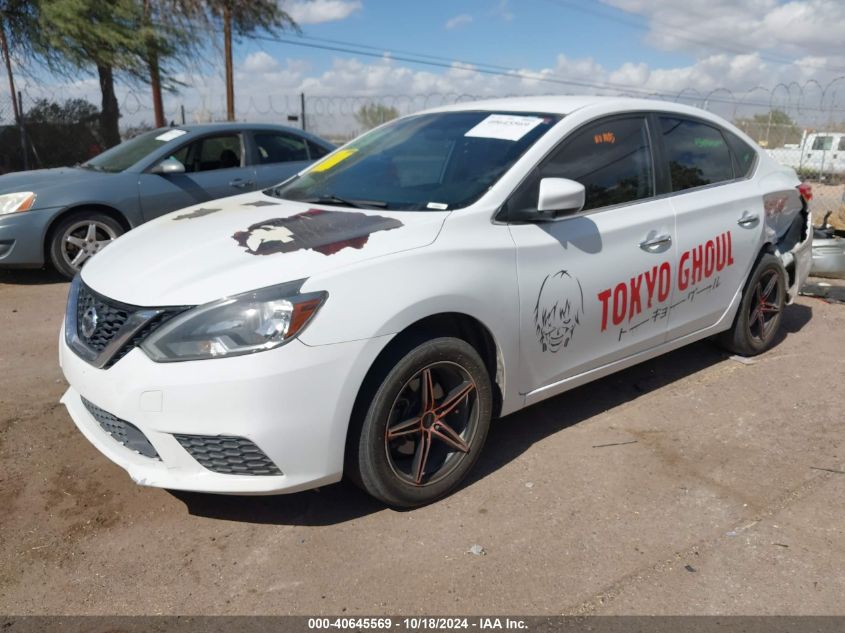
{"x": 656, "y": 244}
{"x": 748, "y": 219}
{"x": 240, "y": 183}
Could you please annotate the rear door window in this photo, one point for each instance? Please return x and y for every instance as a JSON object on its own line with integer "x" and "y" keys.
{"x": 697, "y": 153}
{"x": 744, "y": 155}
{"x": 277, "y": 147}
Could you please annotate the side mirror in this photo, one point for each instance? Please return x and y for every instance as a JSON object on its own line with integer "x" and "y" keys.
{"x": 168, "y": 166}
{"x": 559, "y": 197}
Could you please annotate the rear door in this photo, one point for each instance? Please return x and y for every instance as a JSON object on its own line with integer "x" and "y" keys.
{"x": 719, "y": 215}
{"x": 594, "y": 287}
{"x": 216, "y": 166}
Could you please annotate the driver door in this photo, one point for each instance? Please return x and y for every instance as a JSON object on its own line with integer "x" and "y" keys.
{"x": 595, "y": 287}
{"x": 215, "y": 167}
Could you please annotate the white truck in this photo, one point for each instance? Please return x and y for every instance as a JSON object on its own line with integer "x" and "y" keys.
{"x": 821, "y": 153}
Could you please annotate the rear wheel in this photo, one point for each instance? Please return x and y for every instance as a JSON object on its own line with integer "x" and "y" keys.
{"x": 77, "y": 238}
{"x": 761, "y": 311}
{"x": 425, "y": 427}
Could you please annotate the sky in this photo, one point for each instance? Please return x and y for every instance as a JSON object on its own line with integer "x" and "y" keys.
{"x": 720, "y": 53}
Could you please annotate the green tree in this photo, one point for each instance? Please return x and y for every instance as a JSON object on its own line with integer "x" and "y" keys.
{"x": 106, "y": 36}
{"x": 18, "y": 29}
{"x": 374, "y": 114}
{"x": 234, "y": 18}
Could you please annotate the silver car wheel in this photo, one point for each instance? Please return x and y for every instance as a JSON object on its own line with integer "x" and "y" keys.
{"x": 84, "y": 239}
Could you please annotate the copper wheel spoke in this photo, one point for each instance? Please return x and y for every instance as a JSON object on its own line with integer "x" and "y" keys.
{"x": 454, "y": 398}
{"x": 421, "y": 457}
{"x": 446, "y": 434}
{"x": 426, "y": 390}
{"x": 769, "y": 307}
{"x": 770, "y": 286}
{"x": 408, "y": 427}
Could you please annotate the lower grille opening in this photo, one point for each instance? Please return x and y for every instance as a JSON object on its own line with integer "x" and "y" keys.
{"x": 228, "y": 455}
{"x": 122, "y": 431}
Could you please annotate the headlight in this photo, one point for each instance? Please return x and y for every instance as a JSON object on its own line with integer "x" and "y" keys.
{"x": 244, "y": 324}
{"x": 12, "y": 202}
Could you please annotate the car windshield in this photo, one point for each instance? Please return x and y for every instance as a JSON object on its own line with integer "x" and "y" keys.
{"x": 123, "y": 156}
{"x": 434, "y": 161}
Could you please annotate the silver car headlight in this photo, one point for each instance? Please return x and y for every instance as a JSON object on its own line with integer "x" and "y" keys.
{"x": 243, "y": 324}
{"x": 14, "y": 202}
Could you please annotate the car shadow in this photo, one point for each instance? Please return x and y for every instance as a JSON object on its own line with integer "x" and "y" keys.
{"x": 31, "y": 277}
{"x": 509, "y": 437}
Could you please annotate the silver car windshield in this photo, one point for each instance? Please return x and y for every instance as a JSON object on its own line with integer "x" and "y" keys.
{"x": 123, "y": 156}
{"x": 437, "y": 161}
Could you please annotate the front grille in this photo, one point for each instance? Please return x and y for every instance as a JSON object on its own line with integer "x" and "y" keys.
{"x": 110, "y": 318}
{"x": 122, "y": 431}
{"x": 228, "y": 455}
{"x": 122, "y": 324}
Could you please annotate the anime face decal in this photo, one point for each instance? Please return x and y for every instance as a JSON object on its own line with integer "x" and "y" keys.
{"x": 560, "y": 305}
{"x": 326, "y": 232}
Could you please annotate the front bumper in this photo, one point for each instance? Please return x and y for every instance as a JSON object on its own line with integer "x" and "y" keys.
{"x": 293, "y": 403}
{"x": 22, "y": 238}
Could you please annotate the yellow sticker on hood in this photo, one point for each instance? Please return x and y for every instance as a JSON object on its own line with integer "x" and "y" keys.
{"x": 333, "y": 160}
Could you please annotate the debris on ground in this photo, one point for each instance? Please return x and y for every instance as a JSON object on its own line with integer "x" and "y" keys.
{"x": 829, "y": 470}
{"x": 529, "y": 484}
{"x": 743, "y": 359}
{"x": 690, "y": 569}
{"x": 822, "y": 290}
{"x": 477, "y": 550}
{"x": 614, "y": 444}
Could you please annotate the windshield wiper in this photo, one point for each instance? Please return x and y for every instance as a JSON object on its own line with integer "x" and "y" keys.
{"x": 357, "y": 204}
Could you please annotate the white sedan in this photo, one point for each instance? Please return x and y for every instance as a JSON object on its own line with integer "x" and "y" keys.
{"x": 372, "y": 314}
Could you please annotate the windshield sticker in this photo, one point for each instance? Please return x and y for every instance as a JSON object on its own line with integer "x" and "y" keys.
{"x": 708, "y": 142}
{"x": 438, "y": 206}
{"x": 325, "y": 232}
{"x": 507, "y": 127}
{"x": 196, "y": 213}
{"x": 604, "y": 137}
{"x": 559, "y": 307}
{"x": 170, "y": 135}
{"x": 339, "y": 156}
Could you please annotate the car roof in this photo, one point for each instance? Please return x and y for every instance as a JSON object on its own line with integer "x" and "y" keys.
{"x": 568, "y": 104}
{"x": 224, "y": 126}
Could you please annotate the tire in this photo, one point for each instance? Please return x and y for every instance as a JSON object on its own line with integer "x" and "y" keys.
{"x": 389, "y": 458}
{"x": 761, "y": 310}
{"x": 78, "y": 237}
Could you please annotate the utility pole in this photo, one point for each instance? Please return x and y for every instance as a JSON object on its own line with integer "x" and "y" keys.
{"x": 302, "y": 108}
{"x": 227, "y": 44}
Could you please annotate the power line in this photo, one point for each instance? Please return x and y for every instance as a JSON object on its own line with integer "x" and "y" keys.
{"x": 502, "y": 71}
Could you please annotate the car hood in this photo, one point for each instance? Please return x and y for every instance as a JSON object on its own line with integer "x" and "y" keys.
{"x": 228, "y": 246}
{"x": 41, "y": 179}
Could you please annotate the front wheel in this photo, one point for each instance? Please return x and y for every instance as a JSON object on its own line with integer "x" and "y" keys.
{"x": 77, "y": 238}
{"x": 761, "y": 310}
{"x": 425, "y": 427}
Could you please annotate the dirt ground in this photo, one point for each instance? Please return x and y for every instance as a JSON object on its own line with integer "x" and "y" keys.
{"x": 692, "y": 484}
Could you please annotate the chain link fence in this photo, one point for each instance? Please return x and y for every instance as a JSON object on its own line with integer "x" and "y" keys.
{"x": 802, "y": 126}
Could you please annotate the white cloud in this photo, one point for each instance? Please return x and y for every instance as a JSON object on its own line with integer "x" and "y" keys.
{"x": 459, "y": 20}
{"x": 742, "y": 26}
{"x": 501, "y": 10}
{"x": 318, "y": 11}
